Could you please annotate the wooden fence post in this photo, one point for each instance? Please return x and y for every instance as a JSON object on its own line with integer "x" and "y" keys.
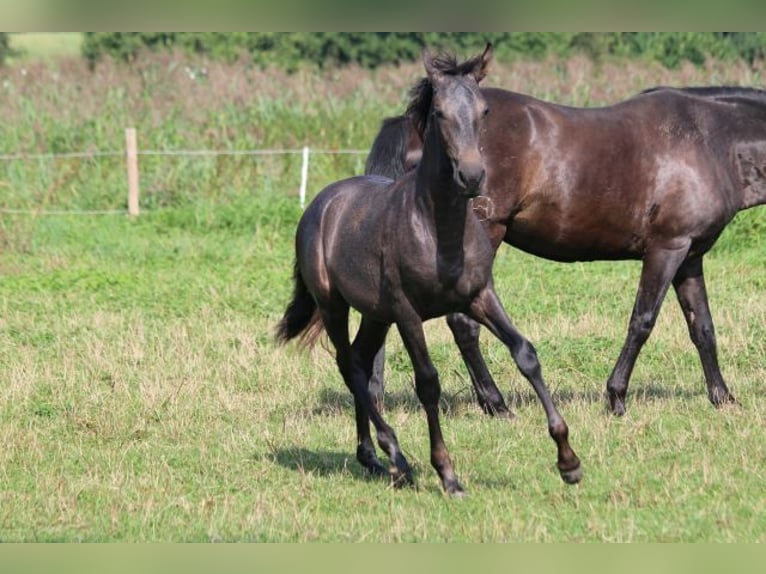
{"x": 131, "y": 156}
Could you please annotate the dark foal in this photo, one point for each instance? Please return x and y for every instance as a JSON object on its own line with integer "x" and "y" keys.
{"x": 406, "y": 251}
{"x": 655, "y": 178}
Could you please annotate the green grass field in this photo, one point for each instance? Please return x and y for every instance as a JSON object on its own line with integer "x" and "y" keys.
{"x": 34, "y": 46}
{"x": 143, "y": 398}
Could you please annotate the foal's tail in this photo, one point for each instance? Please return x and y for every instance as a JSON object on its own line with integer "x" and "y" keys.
{"x": 301, "y": 316}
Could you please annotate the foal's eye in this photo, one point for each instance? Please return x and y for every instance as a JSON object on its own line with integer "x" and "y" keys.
{"x": 438, "y": 113}
{"x": 485, "y": 112}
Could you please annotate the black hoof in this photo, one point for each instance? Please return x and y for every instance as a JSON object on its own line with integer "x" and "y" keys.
{"x": 572, "y": 475}
{"x": 400, "y": 472}
{"x": 498, "y": 411}
{"x": 617, "y": 405}
{"x": 377, "y": 470}
{"x": 722, "y": 399}
{"x": 368, "y": 460}
{"x": 454, "y": 489}
{"x": 400, "y": 479}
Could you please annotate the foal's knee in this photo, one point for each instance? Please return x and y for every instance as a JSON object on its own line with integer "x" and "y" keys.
{"x": 427, "y": 386}
{"x": 464, "y": 330}
{"x": 526, "y": 359}
{"x": 642, "y": 325}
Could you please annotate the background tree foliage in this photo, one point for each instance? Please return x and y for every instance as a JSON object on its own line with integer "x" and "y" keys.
{"x": 291, "y": 50}
{"x": 4, "y": 47}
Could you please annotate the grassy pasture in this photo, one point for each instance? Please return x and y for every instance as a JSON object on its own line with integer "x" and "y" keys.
{"x": 35, "y": 46}
{"x": 142, "y": 397}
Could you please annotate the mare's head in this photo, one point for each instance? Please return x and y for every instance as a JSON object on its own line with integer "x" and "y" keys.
{"x": 448, "y": 105}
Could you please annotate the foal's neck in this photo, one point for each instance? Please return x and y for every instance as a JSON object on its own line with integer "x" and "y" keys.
{"x": 438, "y": 194}
{"x": 443, "y": 207}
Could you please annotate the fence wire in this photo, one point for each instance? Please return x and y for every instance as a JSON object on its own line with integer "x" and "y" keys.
{"x": 23, "y": 156}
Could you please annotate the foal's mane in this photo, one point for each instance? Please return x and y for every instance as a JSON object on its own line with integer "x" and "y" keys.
{"x": 422, "y": 92}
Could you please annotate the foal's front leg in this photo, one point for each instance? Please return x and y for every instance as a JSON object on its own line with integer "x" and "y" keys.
{"x": 428, "y": 390}
{"x": 487, "y": 310}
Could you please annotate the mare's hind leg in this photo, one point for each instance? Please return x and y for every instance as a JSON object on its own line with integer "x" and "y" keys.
{"x": 689, "y": 284}
{"x": 335, "y": 321}
{"x": 428, "y": 390}
{"x": 367, "y": 344}
{"x": 466, "y": 334}
{"x": 660, "y": 266}
{"x": 488, "y": 311}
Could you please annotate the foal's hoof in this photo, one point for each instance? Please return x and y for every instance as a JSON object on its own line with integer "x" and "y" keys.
{"x": 399, "y": 478}
{"x": 722, "y": 399}
{"x": 572, "y": 475}
{"x": 377, "y": 470}
{"x": 617, "y": 406}
{"x": 454, "y": 489}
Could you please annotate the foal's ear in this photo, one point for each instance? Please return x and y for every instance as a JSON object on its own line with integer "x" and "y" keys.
{"x": 482, "y": 65}
{"x": 433, "y": 74}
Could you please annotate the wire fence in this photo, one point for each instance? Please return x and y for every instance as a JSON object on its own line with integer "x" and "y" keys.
{"x": 131, "y": 153}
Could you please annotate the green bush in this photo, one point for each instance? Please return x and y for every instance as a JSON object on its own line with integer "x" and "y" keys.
{"x": 290, "y": 50}
{"x": 4, "y": 47}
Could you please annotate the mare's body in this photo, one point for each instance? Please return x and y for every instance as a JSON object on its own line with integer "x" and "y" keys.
{"x": 655, "y": 178}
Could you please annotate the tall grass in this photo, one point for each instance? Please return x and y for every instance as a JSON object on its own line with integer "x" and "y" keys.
{"x": 143, "y": 398}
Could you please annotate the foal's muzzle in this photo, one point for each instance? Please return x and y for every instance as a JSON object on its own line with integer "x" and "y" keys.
{"x": 470, "y": 178}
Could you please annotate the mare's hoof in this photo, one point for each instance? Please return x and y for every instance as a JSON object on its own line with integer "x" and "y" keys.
{"x": 498, "y": 411}
{"x": 572, "y": 475}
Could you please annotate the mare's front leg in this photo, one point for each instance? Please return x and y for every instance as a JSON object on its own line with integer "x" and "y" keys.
{"x": 659, "y": 267}
{"x": 428, "y": 390}
{"x": 689, "y": 284}
{"x": 487, "y": 310}
{"x": 466, "y": 334}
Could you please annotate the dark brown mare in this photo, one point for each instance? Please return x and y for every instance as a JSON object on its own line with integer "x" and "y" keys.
{"x": 406, "y": 251}
{"x": 656, "y": 178}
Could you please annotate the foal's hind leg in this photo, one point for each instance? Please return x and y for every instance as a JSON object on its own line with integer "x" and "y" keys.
{"x": 466, "y": 333}
{"x": 335, "y": 321}
{"x": 487, "y": 310}
{"x": 660, "y": 266}
{"x": 376, "y": 384}
{"x": 689, "y": 284}
{"x": 367, "y": 344}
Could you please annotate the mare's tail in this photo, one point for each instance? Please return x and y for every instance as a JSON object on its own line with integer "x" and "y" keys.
{"x": 301, "y": 316}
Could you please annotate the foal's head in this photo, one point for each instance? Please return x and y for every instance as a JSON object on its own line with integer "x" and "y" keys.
{"x": 449, "y": 103}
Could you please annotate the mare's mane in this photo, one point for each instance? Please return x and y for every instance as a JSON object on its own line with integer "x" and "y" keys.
{"x": 725, "y": 94}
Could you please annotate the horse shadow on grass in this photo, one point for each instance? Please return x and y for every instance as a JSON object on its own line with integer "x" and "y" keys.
{"x": 342, "y": 463}
{"x": 336, "y": 401}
